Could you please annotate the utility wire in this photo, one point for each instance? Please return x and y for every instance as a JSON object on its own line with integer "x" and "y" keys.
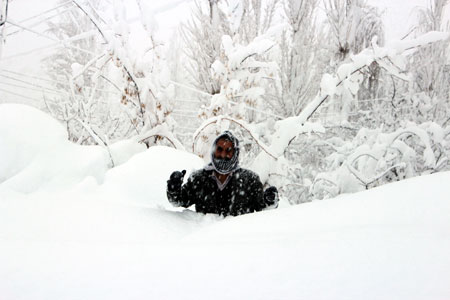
{"x": 40, "y": 21}
{"x": 34, "y": 77}
{"x": 45, "y": 12}
{"x": 30, "y": 83}
{"x": 30, "y": 88}
{"x": 32, "y": 51}
{"x": 55, "y": 81}
{"x": 20, "y": 95}
{"x": 50, "y": 38}
{"x": 60, "y": 43}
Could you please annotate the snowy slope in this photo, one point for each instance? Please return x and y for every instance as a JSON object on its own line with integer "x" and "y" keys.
{"x": 86, "y": 232}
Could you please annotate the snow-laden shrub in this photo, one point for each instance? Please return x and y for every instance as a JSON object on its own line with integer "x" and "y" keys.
{"x": 374, "y": 157}
{"x": 391, "y": 113}
{"x": 344, "y": 86}
{"x": 120, "y": 90}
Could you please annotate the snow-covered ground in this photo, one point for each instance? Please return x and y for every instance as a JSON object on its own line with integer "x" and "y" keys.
{"x": 71, "y": 228}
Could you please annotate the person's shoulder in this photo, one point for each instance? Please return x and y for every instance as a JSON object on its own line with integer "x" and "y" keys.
{"x": 246, "y": 173}
{"x": 199, "y": 173}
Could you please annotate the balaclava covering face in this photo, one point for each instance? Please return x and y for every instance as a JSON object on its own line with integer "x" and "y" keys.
{"x": 225, "y": 165}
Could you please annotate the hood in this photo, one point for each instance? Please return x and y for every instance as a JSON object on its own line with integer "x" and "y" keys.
{"x": 225, "y": 166}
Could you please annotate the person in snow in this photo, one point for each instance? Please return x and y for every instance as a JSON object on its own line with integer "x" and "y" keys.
{"x": 222, "y": 187}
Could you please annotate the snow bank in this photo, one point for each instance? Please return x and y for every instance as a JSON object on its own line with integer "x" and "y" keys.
{"x": 35, "y": 152}
{"x": 24, "y": 133}
{"x": 142, "y": 180}
{"x": 391, "y": 242}
{"x": 54, "y": 190}
{"x": 117, "y": 239}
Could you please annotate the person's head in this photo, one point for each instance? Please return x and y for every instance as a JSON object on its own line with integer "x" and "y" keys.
{"x": 225, "y": 153}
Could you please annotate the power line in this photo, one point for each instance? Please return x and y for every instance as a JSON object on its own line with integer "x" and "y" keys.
{"x": 29, "y": 88}
{"x": 34, "y": 77}
{"x": 50, "y": 38}
{"x": 20, "y": 95}
{"x": 40, "y": 21}
{"x": 47, "y": 11}
{"x": 55, "y": 81}
{"x": 33, "y": 50}
{"x": 30, "y": 83}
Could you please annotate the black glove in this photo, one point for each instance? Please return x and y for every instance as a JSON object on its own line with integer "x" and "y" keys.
{"x": 175, "y": 181}
{"x": 271, "y": 196}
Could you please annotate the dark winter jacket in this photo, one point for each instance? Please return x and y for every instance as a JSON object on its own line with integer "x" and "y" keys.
{"x": 242, "y": 194}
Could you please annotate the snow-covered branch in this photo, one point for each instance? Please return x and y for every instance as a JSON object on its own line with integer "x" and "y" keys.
{"x": 345, "y": 78}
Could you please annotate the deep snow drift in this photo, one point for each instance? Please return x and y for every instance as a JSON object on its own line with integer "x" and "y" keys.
{"x": 71, "y": 228}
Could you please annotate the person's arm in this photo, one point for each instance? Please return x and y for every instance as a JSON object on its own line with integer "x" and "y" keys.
{"x": 266, "y": 199}
{"x": 177, "y": 193}
{"x": 263, "y": 199}
{"x": 256, "y": 192}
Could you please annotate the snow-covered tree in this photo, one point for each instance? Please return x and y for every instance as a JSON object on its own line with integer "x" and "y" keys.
{"x": 243, "y": 78}
{"x": 249, "y": 19}
{"x": 139, "y": 76}
{"x": 346, "y": 80}
{"x": 202, "y": 36}
{"x": 82, "y": 106}
{"x": 352, "y": 26}
{"x": 313, "y": 120}
{"x": 423, "y": 95}
{"x": 301, "y": 58}
{"x": 431, "y": 64}
{"x": 211, "y": 19}
{"x": 236, "y": 65}
{"x": 144, "y": 75}
{"x": 374, "y": 158}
